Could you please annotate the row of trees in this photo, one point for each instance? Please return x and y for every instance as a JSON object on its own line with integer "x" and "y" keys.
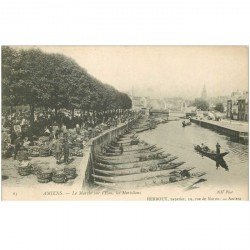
{"x": 32, "y": 77}
{"x": 204, "y": 105}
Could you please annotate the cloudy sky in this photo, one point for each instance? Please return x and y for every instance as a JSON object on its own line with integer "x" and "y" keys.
{"x": 164, "y": 71}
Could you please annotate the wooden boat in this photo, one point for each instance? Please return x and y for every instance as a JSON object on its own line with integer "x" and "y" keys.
{"x": 142, "y": 129}
{"x": 129, "y": 160}
{"x": 131, "y": 155}
{"x": 209, "y": 153}
{"x": 130, "y": 148}
{"x": 123, "y": 140}
{"x": 130, "y": 143}
{"x": 164, "y": 121}
{"x": 134, "y": 177}
{"x": 213, "y": 155}
{"x": 133, "y": 165}
{"x": 175, "y": 176}
{"x": 130, "y": 135}
{"x": 138, "y": 170}
{"x": 135, "y": 152}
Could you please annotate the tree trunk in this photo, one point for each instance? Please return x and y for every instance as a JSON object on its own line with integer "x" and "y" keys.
{"x": 72, "y": 113}
{"x": 11, "y": 120}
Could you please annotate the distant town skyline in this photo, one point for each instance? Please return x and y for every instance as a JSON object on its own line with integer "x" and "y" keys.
{"x": 164, "y": 71}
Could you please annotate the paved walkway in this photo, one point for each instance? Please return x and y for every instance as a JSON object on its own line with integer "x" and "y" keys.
{"x": 233, "y": 125}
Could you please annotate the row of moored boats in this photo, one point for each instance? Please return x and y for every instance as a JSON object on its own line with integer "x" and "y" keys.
{"x": 128, "y": 163}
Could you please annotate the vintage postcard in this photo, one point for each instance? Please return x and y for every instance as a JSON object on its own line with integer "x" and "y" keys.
{"x": 154, "y": 123}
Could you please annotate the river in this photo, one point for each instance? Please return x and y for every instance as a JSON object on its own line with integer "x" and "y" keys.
{"x": 179, "y": 141}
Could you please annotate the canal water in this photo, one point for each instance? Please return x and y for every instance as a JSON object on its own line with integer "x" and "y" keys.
{"x": 179, "y": 141}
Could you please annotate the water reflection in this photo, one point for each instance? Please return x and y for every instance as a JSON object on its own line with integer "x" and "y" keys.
{"x": 179, "y": 141}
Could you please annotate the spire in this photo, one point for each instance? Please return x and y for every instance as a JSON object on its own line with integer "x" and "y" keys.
{"x": 204, "y": 93}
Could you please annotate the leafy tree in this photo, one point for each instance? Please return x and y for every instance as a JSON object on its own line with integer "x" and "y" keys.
{"x": 10, "y": 76}
{"x": 219, "y": 107}
{"x": 201, "y": 104}
{"x": 32, "y": 77}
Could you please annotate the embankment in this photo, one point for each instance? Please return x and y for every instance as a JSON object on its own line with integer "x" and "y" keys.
{"x": 95, "y": 145}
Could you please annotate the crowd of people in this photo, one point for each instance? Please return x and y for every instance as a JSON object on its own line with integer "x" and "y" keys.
{"x": 18, "y": 130}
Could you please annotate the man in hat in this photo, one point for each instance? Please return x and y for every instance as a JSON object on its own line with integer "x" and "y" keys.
{"x": 58, "y": 149}
{"x": 17, "y": 146}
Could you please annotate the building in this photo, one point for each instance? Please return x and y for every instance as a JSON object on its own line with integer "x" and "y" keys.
{"x": 234, "y": 114}
{"x": 229, "y": 109}
{"x": 243, "y": 109}
{"x": 184, "y": 106}
{"x": 237, "y": 106}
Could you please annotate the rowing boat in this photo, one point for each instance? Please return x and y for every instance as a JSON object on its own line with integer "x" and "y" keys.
{"x": 131, "y": 155}
{"x": 126, "y": 143}
{"x": 130, "y": 148}
{"x": 129, "y": 136}
{"x": 162, "y": 180}
{"x": 132, "y": 165}
{"x": 134, "y": 177}
{"x": 142, "y": 129}
{"x": 123, "y": 140}
{"x": 129, "y": 160}
{"x": 139, "y": 151}
{"x": 209, "y": 153}
{"x": 138, "y": 170}
{"x": 218, "y": 158}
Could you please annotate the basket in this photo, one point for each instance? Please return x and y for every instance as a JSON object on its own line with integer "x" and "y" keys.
{"x": 23, "y": 172}
{"x": 35, "y": 169}
{"x": 44, "y": 174}
{"x": 24, "y": 169}
{"x": 34, "y": 154}
{"x": 23, "y": 155}
{"x": 43, "y": 180}
{"x": 44, "y": 152}
{"x": 70, "y": 173}
{"x": 59, "y": 178}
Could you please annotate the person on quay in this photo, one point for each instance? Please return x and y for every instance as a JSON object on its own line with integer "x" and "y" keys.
{"x": 66, "y": 150}
{"x": 17, "y": 147}
{"x": 58, "y": 149}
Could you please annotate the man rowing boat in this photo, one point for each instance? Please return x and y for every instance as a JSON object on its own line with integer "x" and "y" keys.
{"x": 218, "y": 148}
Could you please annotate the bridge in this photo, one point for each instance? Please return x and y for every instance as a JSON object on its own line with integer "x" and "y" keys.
{"x": 158, "y": 112}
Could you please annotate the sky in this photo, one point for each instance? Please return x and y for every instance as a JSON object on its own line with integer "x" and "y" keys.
{"x": 164, "y": 71}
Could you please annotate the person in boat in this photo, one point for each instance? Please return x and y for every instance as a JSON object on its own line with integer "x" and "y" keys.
{"x": 121, "y": 149}
{"x": 204, "y": 148}
{"x": 218, "y": 148}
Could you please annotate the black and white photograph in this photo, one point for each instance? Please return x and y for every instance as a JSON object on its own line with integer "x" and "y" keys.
{"x": 125, "y": 122}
